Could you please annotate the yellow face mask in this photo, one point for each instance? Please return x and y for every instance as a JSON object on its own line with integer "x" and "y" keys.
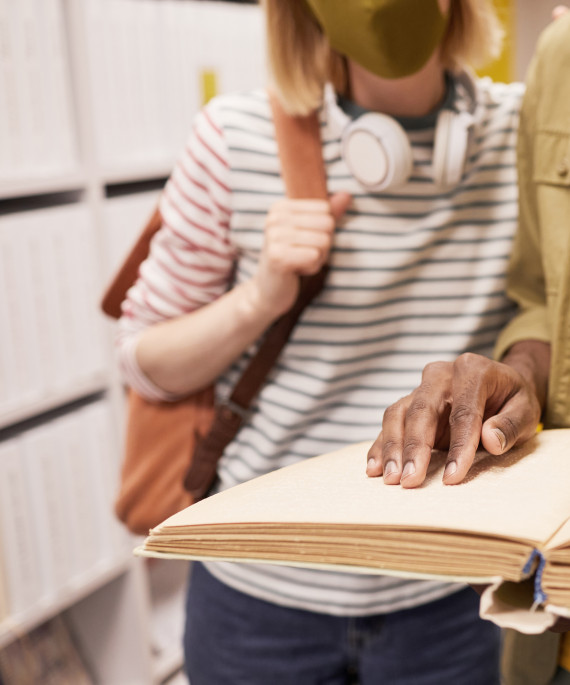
{"x": 390, "y": 38}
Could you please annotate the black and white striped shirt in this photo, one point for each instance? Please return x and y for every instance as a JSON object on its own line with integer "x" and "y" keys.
{"x": 417, "y": 274}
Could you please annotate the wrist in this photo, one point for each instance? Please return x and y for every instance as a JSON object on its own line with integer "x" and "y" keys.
{"x": 252, "y": 307}
{"x": 531, "y": 359}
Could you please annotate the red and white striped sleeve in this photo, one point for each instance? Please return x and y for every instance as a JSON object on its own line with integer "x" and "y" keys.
{"x": 191, "y": 257}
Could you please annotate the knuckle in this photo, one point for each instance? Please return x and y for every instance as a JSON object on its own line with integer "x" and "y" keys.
{"x": 418, "y": 408}
{"x": 511, "y": 430}
{"x": 310, "y": 270}
{"x": 394, "y": 412}
{"x": 273, "y": 233}
{"x": 462, "y": 413}
{"x": 322, "y": 241}
{"x": 469, "y": 361}
{"x": 375, "y": 450}
{"x": 329, "y": 223}
{"x": 411, "y": 448}
{"x": 436, "y": 369}
{"x": 458, "y": 450}
{"x": 281, "y": 205}
{"x": 315, "y": 259}
{"x": 467, "y": 358}
{"x": 274, "y": 253}
{"x": 390, "y": 448}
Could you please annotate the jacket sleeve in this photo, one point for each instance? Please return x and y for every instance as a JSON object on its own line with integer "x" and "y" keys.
{"x": 525, "y": 278}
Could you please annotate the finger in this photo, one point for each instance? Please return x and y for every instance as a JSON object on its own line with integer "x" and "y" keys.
{"x": 423, "y": 419}
{"x": 295, "y": 259}
{"x": 300, "y": 206}
{"x": 339, "y": 203}
{"x": 287, "y": 212}
{"x": 278, "y": 239}
{"x": 284, "y": 223}
{"x": 465, "y": 434}
{"x": 374, "y": 458}
{"x": 465, "y": 423}
{"x": 307, "y": 238}
{"x": 427, "y": 410}
{"x": 393, "y": 427}
{"x": 514, "y": 424}
{"x": 559, "y": 11}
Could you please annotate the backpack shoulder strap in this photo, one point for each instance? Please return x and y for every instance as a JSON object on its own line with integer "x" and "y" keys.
{"x": 302, "y": 167}
{"x": 128, "y": 271}
{"x": 300, "y": 152}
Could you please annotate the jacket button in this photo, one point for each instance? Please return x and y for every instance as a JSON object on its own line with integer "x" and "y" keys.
{"x": 562, "y": 169}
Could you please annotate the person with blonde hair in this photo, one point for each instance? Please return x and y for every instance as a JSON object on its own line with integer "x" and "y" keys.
{"x": 420, "y": 164}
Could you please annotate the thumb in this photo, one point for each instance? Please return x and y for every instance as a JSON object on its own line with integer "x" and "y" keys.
{"x": 339, "y": 203}
{"x": 513, "y": 425}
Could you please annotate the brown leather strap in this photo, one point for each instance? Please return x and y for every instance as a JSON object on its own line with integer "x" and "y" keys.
{"x": 302, "y": 168}
{"x": 128, "y": 272}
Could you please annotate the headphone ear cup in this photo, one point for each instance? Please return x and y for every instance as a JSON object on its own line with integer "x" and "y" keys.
{"x": 377, "y": 152}
{"x": 451, "y": 144}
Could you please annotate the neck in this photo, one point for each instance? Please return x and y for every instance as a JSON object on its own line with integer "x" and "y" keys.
{"x": 412, "y": 96}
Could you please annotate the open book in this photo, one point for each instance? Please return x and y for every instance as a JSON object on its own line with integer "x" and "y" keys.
{"x": 509, "y": 521}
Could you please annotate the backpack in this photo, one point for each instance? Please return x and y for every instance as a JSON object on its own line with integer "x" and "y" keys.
{"x": 172, "y": 449}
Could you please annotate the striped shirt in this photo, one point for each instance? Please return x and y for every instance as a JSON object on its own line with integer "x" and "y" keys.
{"x": 417, "y": 274}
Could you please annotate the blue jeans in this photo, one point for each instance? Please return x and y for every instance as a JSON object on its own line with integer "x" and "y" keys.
{"x": 234, "y": 639}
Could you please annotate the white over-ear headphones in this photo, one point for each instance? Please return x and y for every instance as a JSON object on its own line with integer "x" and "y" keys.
{"x": 378, "y": 153}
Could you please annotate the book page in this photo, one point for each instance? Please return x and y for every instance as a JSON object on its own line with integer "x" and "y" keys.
{"x": 522, "y": 494}
{"x": 561, "y": 539}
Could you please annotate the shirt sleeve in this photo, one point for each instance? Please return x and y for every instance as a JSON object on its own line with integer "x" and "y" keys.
{"x": 191, "y": 257}
{"x": 526, "y": 279}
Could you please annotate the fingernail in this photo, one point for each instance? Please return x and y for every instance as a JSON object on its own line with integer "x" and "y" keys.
{"x": 390, "y": 467}
{"x": 500, "y": 437}
{"x": 409, "y": 469}
{"x": 450, "y": 469}
{"x": 371, "y": 464}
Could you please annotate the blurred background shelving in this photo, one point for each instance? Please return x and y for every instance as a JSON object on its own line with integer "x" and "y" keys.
{"x": 96, "y": 100}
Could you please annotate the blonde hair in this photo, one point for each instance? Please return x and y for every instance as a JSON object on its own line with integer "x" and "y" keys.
{"x": 301, "y": 60}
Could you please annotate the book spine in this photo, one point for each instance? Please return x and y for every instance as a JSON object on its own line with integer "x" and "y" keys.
{"x": 42, "y": 455}
{"x": 46, "y": 287}
{"x": 64, "y": 154}
{"x": 8, "y": 113}
{"x": 20, "y": 557}
{"x": 99, "y": 429}
{"x": 9, "y": 386}
{"x": 21, "y": 333}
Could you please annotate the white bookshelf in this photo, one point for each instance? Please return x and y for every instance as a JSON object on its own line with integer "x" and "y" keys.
{"x": 14, "y": 627}
{"x": 99, "y": 383}
{"x": 56, "y": 183}
{"x": 100, "y": 95}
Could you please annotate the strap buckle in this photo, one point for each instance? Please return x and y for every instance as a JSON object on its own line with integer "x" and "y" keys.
{"x": 237, "y": 410}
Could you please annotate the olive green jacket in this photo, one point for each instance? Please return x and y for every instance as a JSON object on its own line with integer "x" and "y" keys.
{"x": 539, "y": 273}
